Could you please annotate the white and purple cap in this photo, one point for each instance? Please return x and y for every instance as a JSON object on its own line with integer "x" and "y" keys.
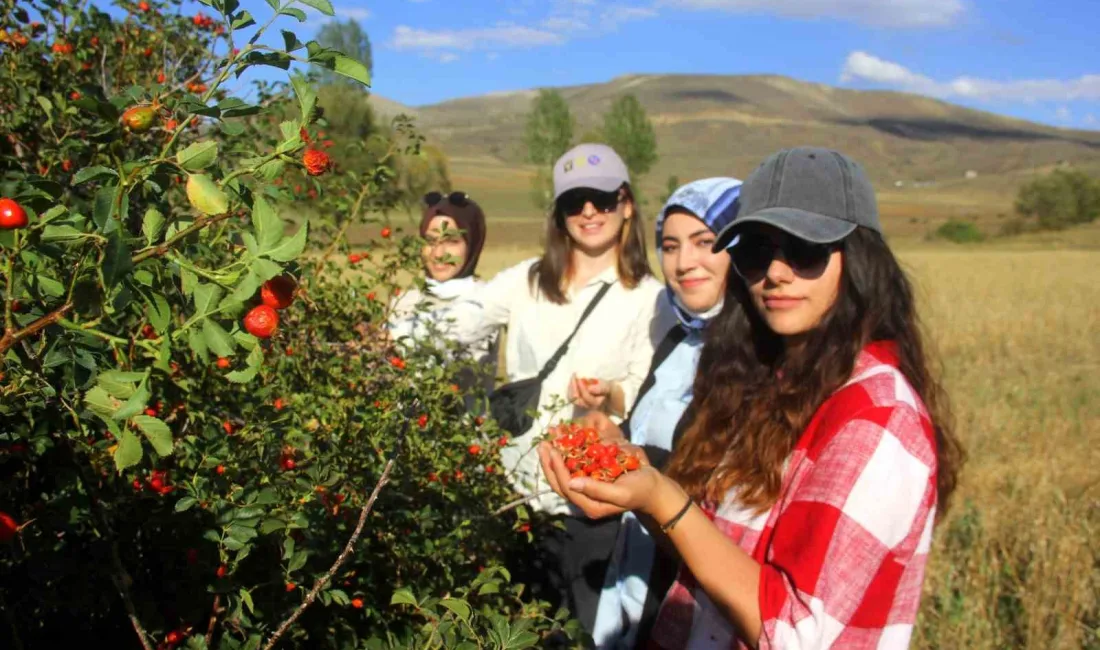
{"x": 595, "y": 166}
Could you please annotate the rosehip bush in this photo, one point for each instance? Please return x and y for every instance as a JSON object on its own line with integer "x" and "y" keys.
{"x": 206, "y": 438}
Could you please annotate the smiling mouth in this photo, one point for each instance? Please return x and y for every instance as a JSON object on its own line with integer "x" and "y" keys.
{"x": 591, "y": 227}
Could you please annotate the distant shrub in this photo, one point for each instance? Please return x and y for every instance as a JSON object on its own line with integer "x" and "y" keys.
{"x": 960, "y": 232}
{"x": 1060, "y": 199}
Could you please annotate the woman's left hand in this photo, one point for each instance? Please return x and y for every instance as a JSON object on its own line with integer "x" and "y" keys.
{"x": 589, "y": 393}
{"x": 631, "y": 491}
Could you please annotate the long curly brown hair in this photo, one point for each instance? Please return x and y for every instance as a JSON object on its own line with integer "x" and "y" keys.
{"x": 752, "y": 401}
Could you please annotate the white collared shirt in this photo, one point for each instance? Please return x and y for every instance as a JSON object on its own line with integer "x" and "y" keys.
{"x": 616, "y": 343}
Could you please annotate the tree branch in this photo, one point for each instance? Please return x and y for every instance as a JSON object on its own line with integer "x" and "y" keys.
{"x": 348, "y": 548}
{"x": 10, "y": 338}
{"x": 519, "y": 502}
{"x": 161, "y": 249}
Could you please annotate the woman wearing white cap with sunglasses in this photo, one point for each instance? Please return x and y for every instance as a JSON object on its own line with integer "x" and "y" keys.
{"x": 802, "y": 498}
{"x": 580, "y": 318}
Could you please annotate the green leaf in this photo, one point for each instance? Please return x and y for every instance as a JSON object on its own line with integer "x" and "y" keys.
{"x": 339, "y": 596}
{"x": 217, "y": 339}
{"x": 198, "y": 156}
{"x": 136, "y": 403}
{"x": 351, "y": 68}
{"x": 92, "y": 173}
{"x": 129, "y": 452}
{"x": 297, "y": 561}
{"x": 104, "y": 209}
{"x": 267, "y": 224}
{"x": 290, "y": 40}
{"x": 253, "y": 642}
{"x": 160, "y": 314}
{"x": 271, "y": 169}
{"x": 291, "y": 247}
{"x": 246, "y": 288}
{"x": 242, "y": 20}
{"x": 266, "y": 269}
{"x": 324, "y": 6}
{"x": 197, "y": 342}
{"x": 459, "y": 607}
{"x": 101, "y": 403}
{"x": 116, "y": 259}
{"x": 232, "y": 129}
{"x": 186, "y": 503}
{"x": 246, "y": 374}
{"x": 119, "y": 384}
{"x": 271, "y": 525}
{"x": 61, "y": 233}
{"x": 307, "y": 96}
{"x": 247, "y": 598}
{"x": 207, "y": 297}
{"x": 205, "y": 195}
{"x": 403, "y": 596}
{"x": 152, "y": 225}
{"x": 49, "y": 286}
{"x": 156, "y": 432}
{"x": 293, "y": 11}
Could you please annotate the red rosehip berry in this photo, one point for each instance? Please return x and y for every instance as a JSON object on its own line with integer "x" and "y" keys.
{"x": 422, "y": 421}
{"x": 386, "y": 232}
{"x": 474, "y": 450}
{"x": 222, "y": 570}
{"x": 357, "y": 603}
{"x": 223, "y": 362}
{"x": 220, "y": 469}
{"x": 12, "y": 215}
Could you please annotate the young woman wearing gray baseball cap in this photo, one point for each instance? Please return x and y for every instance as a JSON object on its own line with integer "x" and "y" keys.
{"x": 802, "y": 497}
{"x": 594, "y": 261}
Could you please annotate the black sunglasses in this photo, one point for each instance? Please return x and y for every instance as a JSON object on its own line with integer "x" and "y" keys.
{"x": 754, "y": 252}
{"x": 572, "y": 202}
{"x": 459, "y": 199}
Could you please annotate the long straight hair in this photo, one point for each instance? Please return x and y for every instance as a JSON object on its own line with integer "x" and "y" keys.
{"x": 752, "y": 401}
{"x": 551, "y": 273}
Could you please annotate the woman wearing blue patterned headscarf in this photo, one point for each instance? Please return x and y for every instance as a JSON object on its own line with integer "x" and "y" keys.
{"x": 695, "y": 278}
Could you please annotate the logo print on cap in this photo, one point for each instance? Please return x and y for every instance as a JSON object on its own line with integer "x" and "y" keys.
{"x": 593, "y": 160}
{"x": 568, "y": 166}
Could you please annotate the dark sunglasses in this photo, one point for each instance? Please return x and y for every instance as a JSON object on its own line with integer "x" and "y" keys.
{"x": 754, "y": 252}
{"x": 459, "y": 199}
{"x": 572, "y": 202}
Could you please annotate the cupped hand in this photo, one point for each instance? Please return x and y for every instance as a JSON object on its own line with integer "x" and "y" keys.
{"x": 597, "y": 499}
{"x": 608, "y": 430}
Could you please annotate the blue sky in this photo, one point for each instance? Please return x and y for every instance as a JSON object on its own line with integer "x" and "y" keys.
{"x": 1026, "y": 58}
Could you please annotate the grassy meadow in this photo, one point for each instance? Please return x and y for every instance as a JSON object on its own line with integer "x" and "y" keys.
{"x": 1016, "y": 326}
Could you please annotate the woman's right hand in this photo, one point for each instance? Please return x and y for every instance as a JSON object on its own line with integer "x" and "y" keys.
{"x": 631, "y": 491}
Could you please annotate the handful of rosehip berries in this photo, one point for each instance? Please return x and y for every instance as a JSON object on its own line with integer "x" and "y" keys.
{"x": 585, "y": 455}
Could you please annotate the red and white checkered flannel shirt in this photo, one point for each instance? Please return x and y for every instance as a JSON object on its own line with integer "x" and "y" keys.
{"x": 843, "y": 551}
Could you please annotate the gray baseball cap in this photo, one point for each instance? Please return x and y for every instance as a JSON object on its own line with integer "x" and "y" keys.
{"x": 589, "y": 165}
{"x": 815, "y": 194}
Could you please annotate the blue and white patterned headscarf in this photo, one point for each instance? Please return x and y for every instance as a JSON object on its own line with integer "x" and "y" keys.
{"x": 715, "y": 202}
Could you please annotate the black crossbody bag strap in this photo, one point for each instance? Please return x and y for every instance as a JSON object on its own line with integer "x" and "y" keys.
{"x": 553, "y": 361}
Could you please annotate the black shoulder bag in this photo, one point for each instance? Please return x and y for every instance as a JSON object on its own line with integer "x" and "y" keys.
{"x": 511, "y": 404}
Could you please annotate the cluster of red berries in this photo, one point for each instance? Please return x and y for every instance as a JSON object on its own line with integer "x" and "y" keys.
{"x": 202, "y": 20}
{"x": 277, "y": 293}
{"x": 586, "y": 456}
{"x": 158, "y": 482}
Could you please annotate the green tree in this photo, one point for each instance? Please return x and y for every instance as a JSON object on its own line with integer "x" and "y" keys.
{"x": 549, "y": 134}
{"x": 350, "y": 117}
{"x": 350, "y": 38}
{"x": 549, "y": 128}
{"x": 1060, "y": 199}
{"x": 629, "y": 132}
{"x": 671, "y": 185}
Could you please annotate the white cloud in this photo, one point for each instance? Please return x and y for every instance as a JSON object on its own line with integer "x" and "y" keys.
{"x": 1063, "y": 114}
{"x": 864, "y": 67}
{"x": 448, "y": 57}
{"x": 886, "y": 13}
{"x": 564, "y": 24}
{"x": 615, "y": 14}
{"x": 355, "y": 13}
{"x": 501, "y": 36}
{"x": 1090, "y": 120}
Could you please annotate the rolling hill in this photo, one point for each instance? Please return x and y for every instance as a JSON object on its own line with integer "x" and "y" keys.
{"x": 724, "y": 125}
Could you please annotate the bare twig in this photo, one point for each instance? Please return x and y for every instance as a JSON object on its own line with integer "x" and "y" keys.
{"x": 519, "y": 502}
{"x": 161, "y": 249}
{"x": 213, "y": 619}
{"x": 348, "y": 548}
